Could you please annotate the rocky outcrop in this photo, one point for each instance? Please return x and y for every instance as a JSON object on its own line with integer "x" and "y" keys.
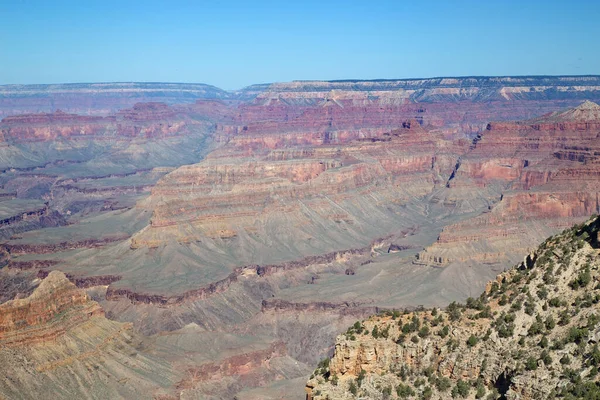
{"x": 84, "y": 282}
{"x": 343, "y": 110}
{"x": 57, "y": 343}
{"x": 17, "y": 249}
{"x": 99, "y": 98}
{"x": 531, "y": 334}
{"x": 53, "y": 308}
{"x": 237, "y": 365}
{"x": 347, "y": 308}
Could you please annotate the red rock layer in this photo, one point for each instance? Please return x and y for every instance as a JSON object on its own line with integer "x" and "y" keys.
{"x": 239, "y": 184}
{"x": 548, "y": 170}
{"x": 237, "y": 365}
{"x": 147, "y": 120}
{"x": 54, "y": 307}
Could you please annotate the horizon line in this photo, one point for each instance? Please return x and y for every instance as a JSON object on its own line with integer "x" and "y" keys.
{"x": 302, "y": 81}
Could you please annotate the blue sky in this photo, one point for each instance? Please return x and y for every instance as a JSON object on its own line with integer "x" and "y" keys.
{"x": 232, "y": 44}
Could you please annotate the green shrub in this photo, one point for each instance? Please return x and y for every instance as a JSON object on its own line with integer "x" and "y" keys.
{"x": 592, "y": 321}
{"x": 324, "y": 363}
{"x": 546, "y": 358}
{"x": 594, "y": 356}
{"x": 485, "y": 313}
{"x": 461, "y": 389}
{"x": 427, "y": 393}
{"x": 375, "y": 332}
{"x": 480, "y": 391}
{"x": 542, "y": 293}
{"x": 454, "y": 311}
{"x": 472, "y": 341}
{"x": 404, "y": 391}
{"x": 576, "y": 335}
{"x": 444, "y": 331}
{"x": 531, "y": 364}
{"x": 352, "y": 388}
{"x": 535, "y": 329}
{"x": 516, "y": 306}
{"x": 361, "y": 377}
{"x": 529, "y": 308}
{"x": 503, "y": 300}
{"x": 583, "y": 279}
{"x": 475, "y": 304}
{"x": 385, "y": 333}
{"x": 504, "y": 325}
{"x": 443, "y": 384}
{"x": 564, "y": 318}
{"x": 555, "y": 302}
{"x": 424, "y": 332}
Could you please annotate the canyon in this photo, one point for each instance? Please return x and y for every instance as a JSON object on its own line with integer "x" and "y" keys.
{"x": 233, "y": 235}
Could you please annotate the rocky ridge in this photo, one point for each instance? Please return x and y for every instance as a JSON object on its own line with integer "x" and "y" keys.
{"x": 533, "y": 334}
{"x": 57, "y": 343}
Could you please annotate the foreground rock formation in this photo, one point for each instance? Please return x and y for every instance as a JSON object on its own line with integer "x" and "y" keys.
{"x": 532, "y": 334}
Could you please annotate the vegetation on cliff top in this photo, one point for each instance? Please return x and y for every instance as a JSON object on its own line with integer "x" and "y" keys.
{"x": 533, "y": 334}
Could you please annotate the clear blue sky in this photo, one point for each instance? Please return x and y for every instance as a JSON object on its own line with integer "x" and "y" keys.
{"x": 232, "y": 44}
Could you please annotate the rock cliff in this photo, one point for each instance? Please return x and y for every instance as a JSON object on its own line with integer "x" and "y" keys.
{"x": 532, "y": 334}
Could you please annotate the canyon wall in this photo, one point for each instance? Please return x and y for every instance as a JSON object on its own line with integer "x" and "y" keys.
{"x": 268, "y": 219}
{"x": 544, "y": 173}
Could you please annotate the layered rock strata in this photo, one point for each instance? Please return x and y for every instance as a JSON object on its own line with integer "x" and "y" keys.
{"x": 544, "y": 176}
{"x": 57, "y": 343}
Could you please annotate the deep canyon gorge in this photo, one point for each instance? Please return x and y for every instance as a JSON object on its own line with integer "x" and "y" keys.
{"x": 179, "y": 241}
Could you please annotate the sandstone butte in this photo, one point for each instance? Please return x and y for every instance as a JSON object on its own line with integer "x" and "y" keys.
{"x": 261, "y": 222}
{"x": 532, "y": 334}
